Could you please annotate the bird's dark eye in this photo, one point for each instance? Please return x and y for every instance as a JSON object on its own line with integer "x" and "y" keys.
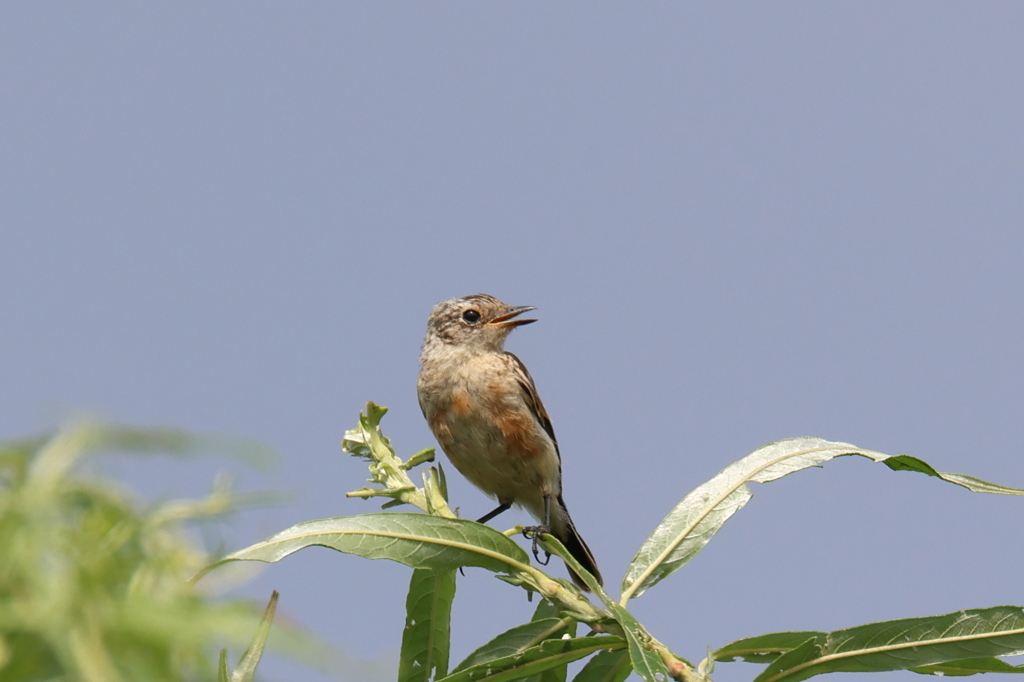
{"x": 471, "y": 316}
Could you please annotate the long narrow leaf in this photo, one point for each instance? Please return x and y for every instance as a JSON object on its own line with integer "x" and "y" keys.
{"x": 222, "y": 667}
{"x": 520, "y": 639}
{"x": 765, "y": 648}
{"x": 416, "y": 540}
{"x": 970, "y": 666}
{"x": 696, "y": 519}
{"x": 545, "y": 610}
{"x": 905, "y": 644}
{"x": 647, "y": 663}
{"x": 246, "y": 667}
{"x": 548, "y": 654}
{"x": 427, "y": 634}
{"x": 607, "y": 666}
{"x": 512, "y": 642}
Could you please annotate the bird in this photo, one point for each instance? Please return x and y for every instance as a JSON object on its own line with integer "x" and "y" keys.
{"x": 482, "y": 406}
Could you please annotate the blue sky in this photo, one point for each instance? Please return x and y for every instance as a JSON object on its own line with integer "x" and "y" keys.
{"x": 738, "y": 223}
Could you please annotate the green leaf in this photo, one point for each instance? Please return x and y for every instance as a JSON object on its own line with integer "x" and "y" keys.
{"x": 435, "y": 494}
{"x": 975, "y": 485}
{"x": 246, "y": 667}
{"x": 416, "y": 540}
{"x": 546, "y": 609}
{"x": 765, "y": 648}
{"x": 970, "y": 666}
{"x": 442, "y": 481}
{"x": 550, "y": 653}
{"x": 512, "y": 642}
{"x": 607, "y": 666}
{"x": 696, "y": 519}
{"x": 222, "y": 667}
{"x": 905, "y": 644}
{"x": 425, "y": 640}
{"x": 646, "y": 662}
{"x": 424, "y": 455}
{"x": 558, "y": 673}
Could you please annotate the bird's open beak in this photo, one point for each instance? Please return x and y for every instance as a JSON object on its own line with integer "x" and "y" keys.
{"x": 508, "y": 319}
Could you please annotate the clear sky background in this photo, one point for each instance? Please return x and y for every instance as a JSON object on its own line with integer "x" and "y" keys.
{"x": 738, "y": 223}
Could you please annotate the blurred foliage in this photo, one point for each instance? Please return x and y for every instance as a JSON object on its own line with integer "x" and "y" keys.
{"x": 94, "y": 585}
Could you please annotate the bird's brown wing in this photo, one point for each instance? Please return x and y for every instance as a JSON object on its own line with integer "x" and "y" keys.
{"x": 532, "y": 400}
{"x": 566, "y": 532}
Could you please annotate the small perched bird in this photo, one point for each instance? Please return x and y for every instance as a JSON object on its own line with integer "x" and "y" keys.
{"x": 483, "y": 408}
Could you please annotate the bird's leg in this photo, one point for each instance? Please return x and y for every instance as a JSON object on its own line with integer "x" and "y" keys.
{"x": 491, "y": 514}
{"x": 534, "y": 532}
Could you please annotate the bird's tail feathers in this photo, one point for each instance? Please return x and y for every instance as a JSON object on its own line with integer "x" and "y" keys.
{"x": 562, "y": 528}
